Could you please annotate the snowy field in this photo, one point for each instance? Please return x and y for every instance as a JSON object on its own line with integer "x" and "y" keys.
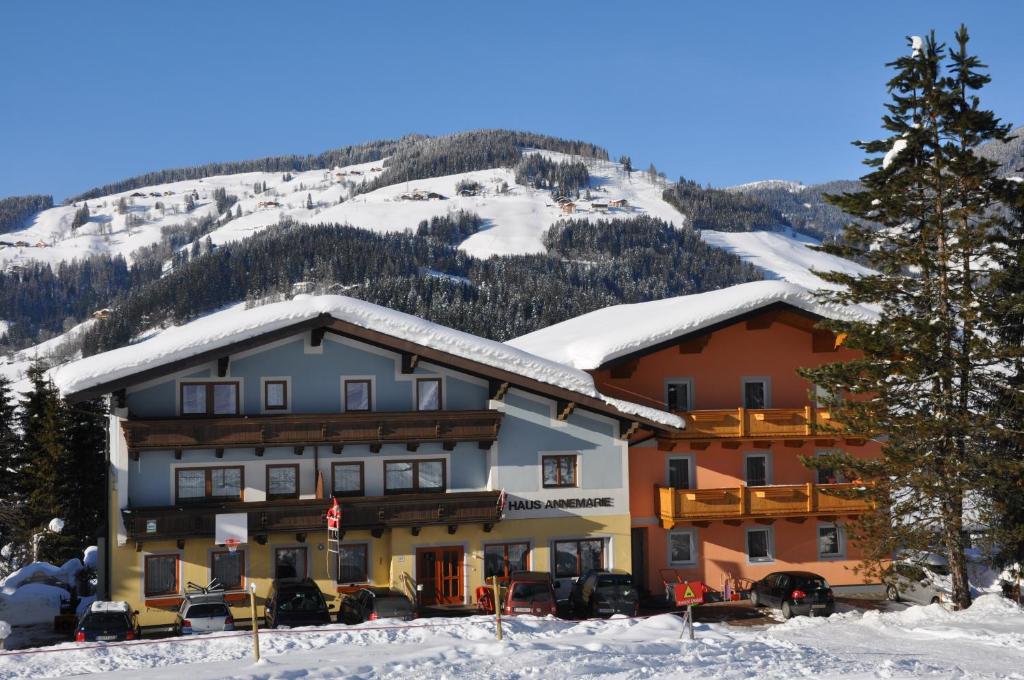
{"x": 986, "y": 641}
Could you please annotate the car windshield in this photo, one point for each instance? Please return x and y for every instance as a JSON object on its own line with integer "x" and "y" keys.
{"x": 940, "y": 569}
{"x": 105, "y": 621}
{"x": 209, "y": 610}
{"x": 302, "y": 601}
{"x": 811, "y": 582}
{"x": 530, "y": 591}
{"x": 606, "y": 580}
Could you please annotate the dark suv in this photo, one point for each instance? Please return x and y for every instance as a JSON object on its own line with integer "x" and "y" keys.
{"x": 108, "y": 622}
{"x": 795, "y": 593}
{"x": 295, "y": 602}
{"x": 601, "y": 592}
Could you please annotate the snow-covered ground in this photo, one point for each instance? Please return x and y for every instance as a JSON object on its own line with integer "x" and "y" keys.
{"x": 986, "y": 641}
{"x": 54, "y": 351}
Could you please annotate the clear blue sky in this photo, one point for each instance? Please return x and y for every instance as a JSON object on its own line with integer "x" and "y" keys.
{"x": 721, "y": 92}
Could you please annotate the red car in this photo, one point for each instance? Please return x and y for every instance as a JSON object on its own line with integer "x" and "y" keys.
{"x": 525, "y": 592}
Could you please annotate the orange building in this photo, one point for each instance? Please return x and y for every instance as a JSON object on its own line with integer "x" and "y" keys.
{"x": 729, "y": 497}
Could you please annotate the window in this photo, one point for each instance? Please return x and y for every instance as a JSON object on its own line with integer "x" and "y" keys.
{"x": 756, "y": 393}
{"x": 831, "y": 541}
{"x": 192, "y": 484}
{"x": 161, "y": 576}
{"x": 428, "y": 394}
{"x": 209, "y": 399}
{"x": 760, "y": 546}
{"x": 827, "y": 475}
{"x": 348, "y": 479}
{"x": 228, "y": 568}
{"x": 558, "y": 471}
{"x": 574, "y": 558}
{"x": 412, "y": 476}
{"x": 756, "y": 469}
{"x": 352, "y": 563}
{"x": 678, "y": 395}
{"x": 679, "y": 472}
{"x": 275, "y": 395}
{"x": 682, "y": 548}
{"x": 501, "y": 559}
{"x": 290, "y": 562}
{"x": 282, "y": 481}
{"x": 358, "y": 395}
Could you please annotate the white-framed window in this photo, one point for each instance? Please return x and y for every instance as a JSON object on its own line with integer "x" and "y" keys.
{"x": 760, "y": 544}
{"x": 559, "y": 470}
{"x": 357, "y": 393}
{"x": 831, "y": 541}
{"x": 679, "y": 394}
{"x": 757, "y": 469}
{"x": 757, "y": 393}
{"x": 682, "y": 547}
{"x": 679, "y": 472}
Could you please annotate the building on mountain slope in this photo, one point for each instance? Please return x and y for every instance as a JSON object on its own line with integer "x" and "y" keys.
{"x": 452, "y": 458}
{"x": 727, "y": 497}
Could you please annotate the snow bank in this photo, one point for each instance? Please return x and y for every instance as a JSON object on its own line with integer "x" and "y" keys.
{"x": 589, "y": 341}
{"x": 41, "y": 571}
{"x": 32, "y": 603}
{"x": 233, "y": 325}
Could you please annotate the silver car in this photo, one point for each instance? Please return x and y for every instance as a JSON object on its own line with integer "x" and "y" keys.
{"x": 206, "y": 613}
{"x": 920, "y": 582}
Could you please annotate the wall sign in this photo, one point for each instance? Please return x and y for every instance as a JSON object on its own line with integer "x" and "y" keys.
{"x": 515, "y": 504}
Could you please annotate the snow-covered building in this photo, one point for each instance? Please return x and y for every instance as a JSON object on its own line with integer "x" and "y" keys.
{"x": 453, "y": 457}
{"x": 727, "y": 497}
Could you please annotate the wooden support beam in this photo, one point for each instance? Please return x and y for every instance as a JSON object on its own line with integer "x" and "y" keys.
{"x": 222, "y": 366}
{"x": 181, "y": 544}
{"x": 694, "y": 345}
{"x": 138, "y": 546}
{"x": 300, "y": 537}
{"x": 666, "y": 445}
{"x": 488, "y": 527}
{"x": 731, "y": 444}
{"x": 793, "y": 443}
{"x": 177, "y": 454}
{"x": 259, "y": 451}
{"x": 409, "y": 362}
{"x": 564, "y": 408}
{"x": 824, "y": 442}
{"x": 855, "y": 441}
{"x": 762, "y": 321}
{"x": 699, "y": 446}
{"x": 449, "y": 446}
{"x": 734, "y": 522}
{"x": 412, "y": 446}
{"x": 702, "y": 524}
{"x": 375, "y": 447}
{"x": 134, "y": 453}
{"x": 624, "y": 369}
{"x": 377, "y": 532}
{"x": 219, "y": 453}
{"x": 828, "y": 518}
{"x": 316, "y": 337}
{"x": 120, "y": 398}
{"x": 627, "y": 428}
{"x": 336, "y": 449}
{"x": 298, "y": 450}
{"x": 762, "y": 444}
{"x": 452, "y": 528}
{"x": 415, "y": 531}
{"x": 261, "y": 539}
{"x": 796, "y": 520}
{"x": 765, "y": 520}
{"x": 485, "y": 444}
{"x": 497, "y": 389}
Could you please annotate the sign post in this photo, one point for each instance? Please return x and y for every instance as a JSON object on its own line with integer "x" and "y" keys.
{"x": 497, "y": 605}
{"x": 255, "y": 624}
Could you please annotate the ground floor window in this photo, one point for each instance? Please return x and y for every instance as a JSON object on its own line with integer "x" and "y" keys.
{"x": 501, "y": 559}
{"x": 574, "y": 558}
{"x": 228, "y": 568}
{"x": 352, "y": 563}
{"x": 760, "y": 545}
{"x": 161, "y": 575}
{"x": 290, "y": 562}
{"x": 682, "y": 548}
{"x": 831, "y": 541}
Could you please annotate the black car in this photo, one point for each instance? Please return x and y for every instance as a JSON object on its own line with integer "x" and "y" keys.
{"x": 370, "y": 604}
{"x": 295, "y": 602}
{"x": 795, "y": 593}
{"x": 108, "y": 622}
{"x": 600, "y": 592}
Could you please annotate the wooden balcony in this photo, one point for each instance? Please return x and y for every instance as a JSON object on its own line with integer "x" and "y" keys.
{"x": 307, "y": 429}
{"x": 756, "y": 423}
{"x": 375, "y": 513}
{"x": 738, "y": 503}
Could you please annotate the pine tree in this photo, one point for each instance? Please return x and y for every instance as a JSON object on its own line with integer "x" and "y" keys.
{"x": 928, "y": 373}
{"x": 309, "y": 201}
{"x": 10, "y": 461}
{"x": 81, "y": 480}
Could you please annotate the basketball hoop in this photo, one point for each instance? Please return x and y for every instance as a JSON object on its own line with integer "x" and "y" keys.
{"x": 231, "y": 544}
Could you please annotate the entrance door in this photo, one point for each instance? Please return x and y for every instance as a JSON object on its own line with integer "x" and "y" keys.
{"x": 639, "y": 536}
{"x": 439, "y": 571}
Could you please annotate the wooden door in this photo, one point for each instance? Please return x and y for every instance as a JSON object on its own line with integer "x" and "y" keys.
{"x": 439, "y": 571}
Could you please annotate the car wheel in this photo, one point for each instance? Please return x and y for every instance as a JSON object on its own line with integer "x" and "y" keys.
{"x": 892, "y": 593}
{"x": 754, "y": 599}
{"x": 787, "y": 610}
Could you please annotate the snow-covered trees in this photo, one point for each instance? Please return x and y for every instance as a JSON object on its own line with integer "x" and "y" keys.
{"x": 81, "y": 216}
{"x": 934, "y": 365}
{"x": 15, "y": 210}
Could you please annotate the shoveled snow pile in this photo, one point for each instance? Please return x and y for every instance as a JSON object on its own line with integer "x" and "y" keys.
{"x": 34, "y": 593}
{"x": 588, "y": 341}
{"x": 984, "y": 641}
{"x": 233, "y": 325}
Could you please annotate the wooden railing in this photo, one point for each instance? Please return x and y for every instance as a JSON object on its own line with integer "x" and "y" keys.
{"x": 308, "y": 429}
{"x": 758, "y": 502}
{"x": 367, "y": 512}
{"x": 751, "y": 423}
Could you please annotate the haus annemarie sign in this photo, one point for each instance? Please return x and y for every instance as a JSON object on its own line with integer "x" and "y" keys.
{"x": 520, "y": 504}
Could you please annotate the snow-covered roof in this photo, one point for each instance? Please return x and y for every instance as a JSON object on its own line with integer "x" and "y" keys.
{"x": 591, "y": 340}
{"x": 225, "y": 328}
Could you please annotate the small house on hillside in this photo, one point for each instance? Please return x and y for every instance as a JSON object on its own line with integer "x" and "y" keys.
{"x": 618, "y": 203}
{"x": 599, "y": 206}
{"x": 103, "y": 314}
{"x": 568, "y": 207}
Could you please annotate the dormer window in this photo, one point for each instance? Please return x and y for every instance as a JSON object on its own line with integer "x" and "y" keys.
{"x": 209, "y": 398}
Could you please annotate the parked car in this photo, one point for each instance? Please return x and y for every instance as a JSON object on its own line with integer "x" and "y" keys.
{"x": 370, "y": 604}
{"x": 602, "y": 592}
{"x": 295, "y": 602}
{"x": 795, "y": 593}
{"x": 203, "y": 613}
{"x": 530, "y": 592}
{"x": 918, "y": 581}
{"x": 108, "y": 622}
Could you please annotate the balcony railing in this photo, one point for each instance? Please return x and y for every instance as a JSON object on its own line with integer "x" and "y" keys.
{"x": 752, "y": 423}
{"x": 367, "y": 512}
{"x": 758, "y": 502}
{"x": 310, "y": 429}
